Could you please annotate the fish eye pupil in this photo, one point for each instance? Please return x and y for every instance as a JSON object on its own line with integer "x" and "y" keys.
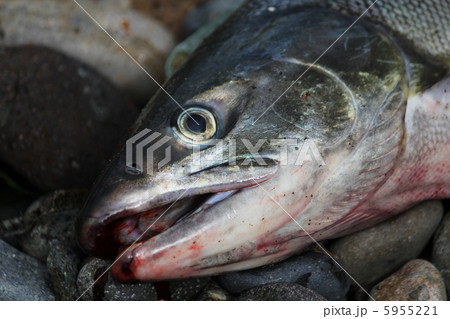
{"x": 196, "y": 123}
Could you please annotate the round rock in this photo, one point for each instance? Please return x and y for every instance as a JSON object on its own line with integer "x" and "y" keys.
{"x": 441, "y": 250}
{"x": 187, "y": 289}
{"x": 280, "y": 291}
{"x": 94, "y": 284}
{"x": 21, "y": 276}
{"x": 418, "y": 280}
{"x": 313, "y": 270}
{"x": 60, "y": 121}
{"x": 52, "y": 217}
{"x": 63, "y": 265}
{"x": 213, "y": 292}
{"x": 376, "y": 252}
{"x": 64, "y": 27}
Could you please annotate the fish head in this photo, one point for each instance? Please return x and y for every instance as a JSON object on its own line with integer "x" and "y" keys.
{"x": 187, "y": 185}
{"x": 251, "y": 148}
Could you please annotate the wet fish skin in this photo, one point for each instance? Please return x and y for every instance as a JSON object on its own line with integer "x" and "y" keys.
{"x": 375, "y": 108}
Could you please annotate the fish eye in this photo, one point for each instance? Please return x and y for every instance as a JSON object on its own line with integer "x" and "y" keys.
{"x": 196, "y": 124}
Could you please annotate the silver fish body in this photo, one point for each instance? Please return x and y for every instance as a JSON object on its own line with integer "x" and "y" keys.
{"x": 372, "y": 111}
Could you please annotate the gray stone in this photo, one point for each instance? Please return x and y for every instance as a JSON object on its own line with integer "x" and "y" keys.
{"x": 187, "y": 289}
{"x": 376, "y": 252}
{"x": 52, "y": 217}
{"x": 313, "y": 270}
{"x": 62, "y": 120}
{"x": 64, "y": 27}
{"x": 22, "y": 277}
{"x": 418, "y": 280}
{"x": 62, "y": 265}
{"x": 280, "y": 291}
{"x": 91, "y": 280}
{"x": 213, "y": 292}
{"x": 116, "y": 291}
{"x": 94, "y": 284}
{"x": 441, "y": 250}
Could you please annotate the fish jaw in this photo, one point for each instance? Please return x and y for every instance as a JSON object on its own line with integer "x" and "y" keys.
{"x": 124, "y": 209}
{"x": 230, "y": 235}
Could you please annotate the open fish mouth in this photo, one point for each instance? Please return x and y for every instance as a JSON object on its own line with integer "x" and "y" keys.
{"x": 138, "y": 225}
{"x": 117, "y": 215}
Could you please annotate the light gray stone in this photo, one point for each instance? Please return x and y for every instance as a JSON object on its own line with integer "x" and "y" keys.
{"x": 441, "y": 250}
{"x": 22, "y": 277}
{"x": 376, "y": 252}
{"x": 418, "y": 280}
{"x": 280, "y": 291}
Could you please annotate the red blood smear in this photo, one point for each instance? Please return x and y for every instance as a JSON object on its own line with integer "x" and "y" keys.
{"x": 107, "y": 241}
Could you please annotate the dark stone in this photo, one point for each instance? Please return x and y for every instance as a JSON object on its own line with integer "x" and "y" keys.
{"x": 441, "y": 250}
{"x": 94, "y": 284}
{"x": 52, "y": 217}
{"x": 376, "y": 252}
{"x": 418, "y": 280}
{"x": 187, "y": 289}
{"x": 314, "y": 270}
{"x": 60, "y": 120}
{"x": 280, "y": 291}
{"x": 116, "y": 291}
{"x": 91, "y": 280}
{"x": 63, "y": 265}
{"x": 22, "y": 277}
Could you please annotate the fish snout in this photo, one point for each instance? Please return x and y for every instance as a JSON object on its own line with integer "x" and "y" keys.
{"x": 127, "y": 209}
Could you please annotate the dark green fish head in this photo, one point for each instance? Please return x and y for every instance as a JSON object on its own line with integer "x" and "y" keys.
{"x": 253, "y": 147}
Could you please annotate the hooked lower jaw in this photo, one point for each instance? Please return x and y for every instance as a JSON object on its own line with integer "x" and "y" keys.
{"x": 133, "y": 227}
{"x": 125, "y": 218}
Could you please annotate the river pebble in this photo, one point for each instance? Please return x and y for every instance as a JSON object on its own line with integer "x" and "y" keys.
{"x": 64, "y": 27}
{"x": 21, "y": 276}
{"x": 63, "y": 265}
{"x": 280, "y": 291}
{"x": 52, "y": 217}
{"x": 418, "y": 280}
{"x": 53, "y": 112}
{"x": 187, "y": 289}
{"x": 213, "y": 292}
{"x": 376, "y": 252}
{"x": 93, "y": 287}
{"x": 314, "y": 270}
{"x": 441, "y": 250}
